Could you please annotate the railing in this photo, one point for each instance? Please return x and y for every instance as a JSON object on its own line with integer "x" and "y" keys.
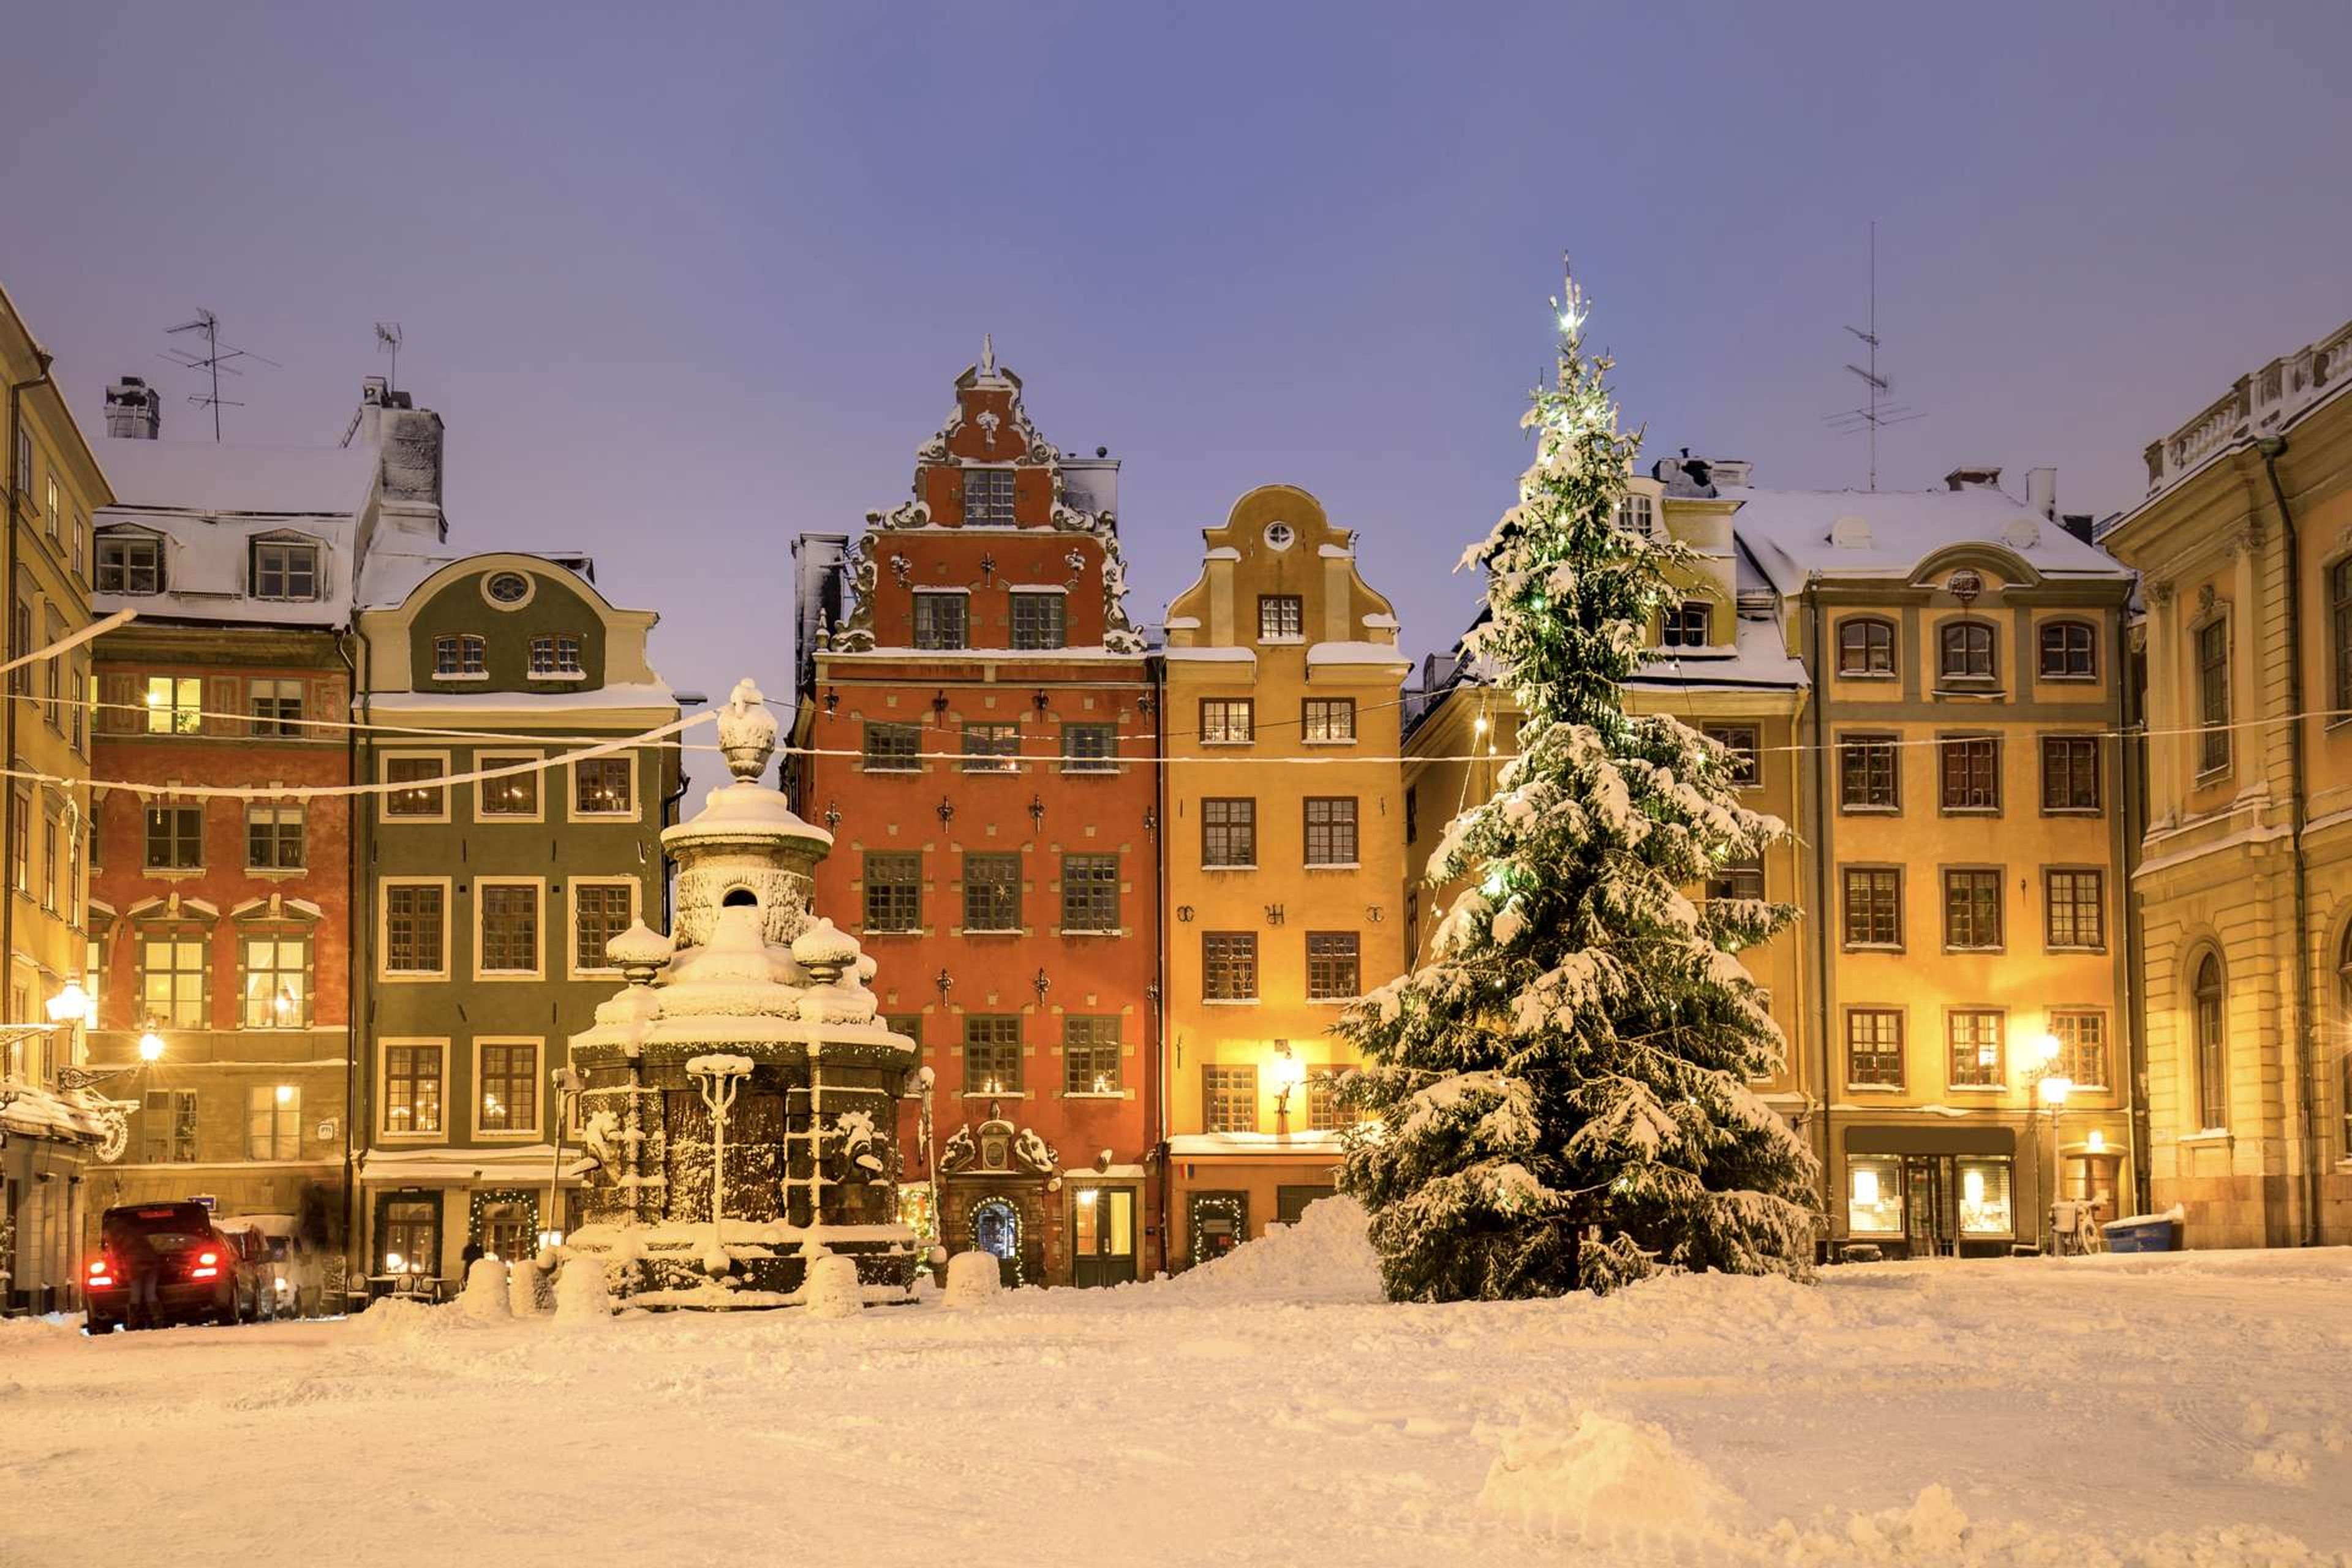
{"x": 2256, "y": 405}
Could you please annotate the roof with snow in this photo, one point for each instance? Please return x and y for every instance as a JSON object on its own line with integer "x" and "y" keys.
{"x": 210, "y": 476}
{"x": 1796, "y": 534}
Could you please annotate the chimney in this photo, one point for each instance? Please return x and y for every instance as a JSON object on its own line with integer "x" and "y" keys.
{"x": 1973, "y": 477}
{"x": 1737, "y": 472}
{"x": 134, "y": 411}
{"x": 2042, "y": 493}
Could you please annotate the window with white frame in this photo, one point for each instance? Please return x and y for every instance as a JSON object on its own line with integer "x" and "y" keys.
{"x": 172, "y": 975}
{"x": 507, "y": 1074}
{"x": 412, "y": 1077}
{"x": 276, "y": 962}
{"x": 285, "y": 568}
{"x": 600, "y": 911}
{"x": 514, "y": 795}
{"x": 415, "y": 928}
{"x": 603, "y": 786}
{"x": 556, "y": 655}
{"x": 422, "y": 796}
{"x": 510, "y": 927}
{"x": 461, "y": 656}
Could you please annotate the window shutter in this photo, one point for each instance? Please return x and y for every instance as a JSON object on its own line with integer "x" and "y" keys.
{"x": 221, "y": 697}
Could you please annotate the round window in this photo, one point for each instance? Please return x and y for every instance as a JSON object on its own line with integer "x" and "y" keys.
{"x": 508, "y": 587}
{"x": 1279, "y": 535}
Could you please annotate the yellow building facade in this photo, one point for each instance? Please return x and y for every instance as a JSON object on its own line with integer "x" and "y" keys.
{"x": 53, "y": 488}
{"x": 1282, "y": 815}
{"x": 2244, "y": 541}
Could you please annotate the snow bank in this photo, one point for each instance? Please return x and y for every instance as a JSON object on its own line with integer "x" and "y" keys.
{"x": 583, "y": 1294}
{"x": 485, "y": 1298}
{"x": 1325, "y": 1256}
{"x": 832, "y": 1290}
{"x": 972, "y": 1277}
{"x": 401, "y": 1320}
{"x": 523, "y": 1281}
{"x": 29, "y": 1331}
{"x": 1605, "y": 1482}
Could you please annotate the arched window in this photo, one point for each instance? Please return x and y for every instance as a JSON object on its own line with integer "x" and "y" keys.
{"x": 1965, "y": 651}
{"x": 1865, "y": 647}
{"x": 997, "y": 1228}
{"x": 2069, "y": 650}
{"x": 2212, "y": 1048}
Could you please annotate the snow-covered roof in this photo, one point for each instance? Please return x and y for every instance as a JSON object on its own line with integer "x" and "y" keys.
{"x": 1759, "y": 659}
{"x": 389, "y": 576}
{"x": 1356, "y": 653}
{"x": 34, "y": 1110}
{"x": 211, "y": 476}
{"x": 1887, "y": 533}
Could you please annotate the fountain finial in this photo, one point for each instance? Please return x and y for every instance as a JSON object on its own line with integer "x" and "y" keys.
{"x": 747, "y": 731}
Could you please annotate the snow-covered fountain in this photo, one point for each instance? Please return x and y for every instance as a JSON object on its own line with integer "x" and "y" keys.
{"x": 738, "y": 1094}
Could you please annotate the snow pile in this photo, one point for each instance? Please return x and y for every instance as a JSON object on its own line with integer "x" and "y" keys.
{"x": 31, "y": 1330}
{"x": 972, "y": 1277}
{"x": 523, "y": 1293}
{"x": 1325, "y": 1256}
{"x": 583, "y": 1294}
{"x": 485, "y": 1300}
{"x": 402, "y": 1320}
{"x": 832, "y": 1290}
{"x": 1606, "y": 1482}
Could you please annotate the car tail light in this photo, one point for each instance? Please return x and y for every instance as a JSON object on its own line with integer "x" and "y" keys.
{"x": 203, "y": 1273}
{"x": 101, "y": 1271}
{"x": 208, "y": 1257}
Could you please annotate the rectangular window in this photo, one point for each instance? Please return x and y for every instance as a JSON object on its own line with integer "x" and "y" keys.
{"x": 509, "y": 1087}
{"x": 174, "y": 705}
{"x": 129, "y": 566}
{"x": 1684, "y": 625}
{"x": 892, "y": 749}
{"x": 2069, "y": 651}
{"x": 991, "y": 892}
{"x": 416, "y": 938}
{"x": 603, "y": 786}
{"x": 1330, "y": 830}
{"x": 991, "y": 1053}
{"x": 1867, "y": 650}
{"x": 1040, "y": 621}
{"x": 1965, "y": 653}
{"x": 1228, "y": 722}
{"x": 1874, "y": 906}
{"x": 940, "y": 620}
{"x": 600, "y": 911}
{"x": 988, "y": 498}
{"x": 1869, "y": 768}
{"x": 1330, "y": 720}
{"x": 1976, "y": 1047}
{"x": 515, "y": 794}
{"x": 1873, "y": 1048}
{"x": 894, "y": 893}
{"x": 2081, "y": 1038}
{"x": 1873, "y": 1205}
{"x": 460, "y": 657}
{"x": 2078, "y": 909}
{"x": 1089, "y": 1055}
{"x": 285, "y": 571}
{"x": 1985, "y": 1203}
{"x": 167, "y": 1127}
{"x": 1089, "y": 893}
{"x": 1332, "y": 972}
{"x": 991, "y": 748}
{"x": 1229, "y": 1098}
{"x": 50, "y": 863}
{"x": 171, "y": 976}
{"x": 1973, "y": 909}
{"x": 422, "y": 798}
{"x": 275, "y": 706}
{"x": 273, "y": 838}
{"x": 1229, "y": 966}
{"x": 510, "y": 917}
{"x": 557, "y": 655}
{"x": 175, "y": 837}
{"x": 273, "y": 1121}
{"x": 1229, "y": 832}
{"x": 1747, "y": 754}
{"x": 2213, "y": 697}
{"x": 2069, "y": 773}
{"x": 1281, "y": 617}
{"x": 1634, "y": 514}
{"x": 1969, "y": 767}
{"x": 411, "y": 1089}
{"x": 1323, "y": 1111}
{"x": 1741, "y": 879}
{"x": 277, "y": 979}
{"x": 1089, "y": 749}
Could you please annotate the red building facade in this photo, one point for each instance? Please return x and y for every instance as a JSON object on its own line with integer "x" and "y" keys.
{"x": 977, "y": 731}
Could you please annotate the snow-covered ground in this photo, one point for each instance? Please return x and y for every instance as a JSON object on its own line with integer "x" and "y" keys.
{"x": 2187, "y": 1410}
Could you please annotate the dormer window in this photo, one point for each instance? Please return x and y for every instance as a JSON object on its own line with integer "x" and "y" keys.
{"x": 555, "y": 656}
{"x": 988, "y": 497}
{"x": 940, "y": 620}
{"x": 285, "y": 568}
{"x": 1684, "y": 625}
{"x": 1281, "y": 617}
{"x": 130, "y": 563}
{"x": 463, "y": 655}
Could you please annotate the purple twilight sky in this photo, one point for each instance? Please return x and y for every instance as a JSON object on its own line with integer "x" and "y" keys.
{"x": 685, "y": 281}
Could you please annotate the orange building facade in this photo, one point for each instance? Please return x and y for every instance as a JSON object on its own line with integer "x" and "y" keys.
{"x": 976, "y": 729}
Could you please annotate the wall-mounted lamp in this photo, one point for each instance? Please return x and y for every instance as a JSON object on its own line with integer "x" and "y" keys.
{"x": 946, "y": 811}
{"x": 1041, "y": 984}
{"x": 1286, "y": 1073}
{"x": 1036, "y": 811}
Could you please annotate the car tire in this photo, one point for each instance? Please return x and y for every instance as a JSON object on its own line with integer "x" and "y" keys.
{"x": 96, "y": 1325}
{"x": 226, "y": 1314}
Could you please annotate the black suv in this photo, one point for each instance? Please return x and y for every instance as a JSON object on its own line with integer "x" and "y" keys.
{"x": 158, "y": 1263}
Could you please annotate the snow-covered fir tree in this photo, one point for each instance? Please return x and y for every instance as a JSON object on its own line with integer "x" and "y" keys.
{"x": 1558, "y": 1099}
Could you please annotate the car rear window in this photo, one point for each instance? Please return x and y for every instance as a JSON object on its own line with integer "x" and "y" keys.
{"x": 165, "y": 1228}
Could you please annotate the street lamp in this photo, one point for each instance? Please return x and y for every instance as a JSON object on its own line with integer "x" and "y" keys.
{"x": 2050, "y": 1086}
{"x": 73, "y": 1010}
{"x": 1287, "y": 1072}
{"x": 151, "y": 1046}
{"x": 718, "y": 1077}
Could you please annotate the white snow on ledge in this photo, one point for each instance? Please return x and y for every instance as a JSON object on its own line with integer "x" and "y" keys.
{"x": 1255, "y": 1143}
{"x": 1356, "y": 653}
{"x": 1210, "y": 655}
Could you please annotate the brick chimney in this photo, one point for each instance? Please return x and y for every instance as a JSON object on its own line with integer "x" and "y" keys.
{"x": 133, "y": 410}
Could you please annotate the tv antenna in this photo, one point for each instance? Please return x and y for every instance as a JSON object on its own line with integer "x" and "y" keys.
{"x": 387, "y": 342}
{"x": 1878, "y": 409}
{"x": 213, "y": 364}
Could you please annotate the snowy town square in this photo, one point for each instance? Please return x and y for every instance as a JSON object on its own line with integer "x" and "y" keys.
{"x": 1246, "y": 784}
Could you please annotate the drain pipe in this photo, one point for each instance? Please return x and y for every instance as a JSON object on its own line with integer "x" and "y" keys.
{"x": 17, "y": 483}
{"x": 1823, "y": 895}
{"x": 2271, "y": 447}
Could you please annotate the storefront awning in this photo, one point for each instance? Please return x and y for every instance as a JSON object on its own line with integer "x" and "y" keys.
{"x": 1930, "y": 1141}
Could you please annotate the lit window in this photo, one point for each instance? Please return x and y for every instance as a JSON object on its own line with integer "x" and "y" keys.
{"x": 603, "y": 786}
{"x": 273, "y": 1121}
{"x": 277, "y": 980}
{"x": 1229, "y": 965}
{"x": 2082, "y": 1046}
{"x": 512, "y": 795}
{"x": 991, "y": 1053}
{"x": 425, "y": 798}
{"x": 1985, "y": 1208}
{"x": 1089, "y": 1055}
{"x": 509, "y": 1087}
{"x": 411, "y": 1089}
{"x": 1874, "y": 1197}
{"x": 990, "y": 748}
{"x": 172, "y": 975}
{"x": 174, "y": 705}
{"x": 1975, "y": 1037}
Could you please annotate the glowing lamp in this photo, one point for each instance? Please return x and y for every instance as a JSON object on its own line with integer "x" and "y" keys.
{"x": 151, "y": 1046}
{"x": 72, "y": 1006}
{"x": 2098, "y": 1141}
{"x": 394, "y": 1263}
{"x": 1865, "y": 1187}
{"x": 2048, "y": 1048}
{"x": 1972, "y": 1186}
{"x": 2055, "y": 1089}
{"x": 285, "y": 1094}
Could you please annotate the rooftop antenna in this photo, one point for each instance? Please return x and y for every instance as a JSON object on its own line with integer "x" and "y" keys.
{"x": 387, "y": 340}
{"x": 213, "y": 363}
{"x": 1878, "y": 409}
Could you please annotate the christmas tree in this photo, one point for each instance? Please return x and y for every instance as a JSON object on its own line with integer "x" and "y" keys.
{"x": 1558, "y": 1099}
